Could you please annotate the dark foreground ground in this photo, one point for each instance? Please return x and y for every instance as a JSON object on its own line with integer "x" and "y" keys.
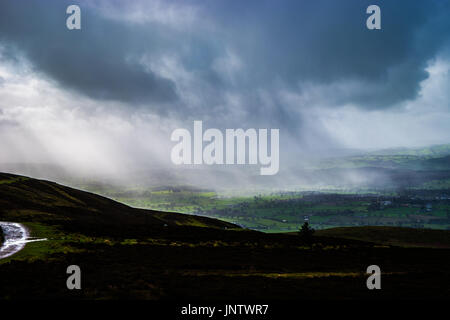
{"x": 162, "y": 257}
{"x": 223, "y": 273}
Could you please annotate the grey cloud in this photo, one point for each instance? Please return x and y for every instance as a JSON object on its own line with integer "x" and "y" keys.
{"x": 8, "y": 123}
{"x": 317, "y": 43}
{"x": 94, "y": 61}
{"x": 322, "y": 42}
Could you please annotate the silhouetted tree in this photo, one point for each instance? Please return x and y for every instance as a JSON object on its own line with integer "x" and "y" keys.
{"x": 306, "y": 232}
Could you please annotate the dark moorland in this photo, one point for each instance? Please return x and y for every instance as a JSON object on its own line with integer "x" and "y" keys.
{"x": 127, "y": 253}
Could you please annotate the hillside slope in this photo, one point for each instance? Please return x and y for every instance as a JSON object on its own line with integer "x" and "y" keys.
{"x": 394, "y": 236}
{"x": 24, "y": 199}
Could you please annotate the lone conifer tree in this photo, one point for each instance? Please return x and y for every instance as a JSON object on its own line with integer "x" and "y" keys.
{"x": 306, "y": 232}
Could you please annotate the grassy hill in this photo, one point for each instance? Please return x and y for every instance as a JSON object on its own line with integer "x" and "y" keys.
{"x": 24, "y": 199}
{"x": 127, "y": 253}
{"x": 405, "y": 237}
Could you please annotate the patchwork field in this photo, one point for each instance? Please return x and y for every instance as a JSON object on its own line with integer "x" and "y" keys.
{"x": 286, "y": 211}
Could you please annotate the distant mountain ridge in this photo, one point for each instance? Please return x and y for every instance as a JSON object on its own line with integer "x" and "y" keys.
{"x": 429, "y": 158}
{"x": 431, "y": 151}
{"x": 426, "y": 167}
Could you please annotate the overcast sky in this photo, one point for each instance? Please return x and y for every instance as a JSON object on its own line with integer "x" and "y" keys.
{"x": 109, "y": 95}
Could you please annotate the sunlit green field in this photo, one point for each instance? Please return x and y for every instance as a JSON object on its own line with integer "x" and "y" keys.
{"x": 286, "y": 211}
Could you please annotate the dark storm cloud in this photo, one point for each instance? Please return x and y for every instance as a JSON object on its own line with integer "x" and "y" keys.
{"x": 295, "y": 43}
{"x": 322, "y": 42}
{"x": 96, "y": 60}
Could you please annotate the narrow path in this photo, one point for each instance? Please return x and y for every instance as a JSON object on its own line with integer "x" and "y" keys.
{"x": 16, "y": 236}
